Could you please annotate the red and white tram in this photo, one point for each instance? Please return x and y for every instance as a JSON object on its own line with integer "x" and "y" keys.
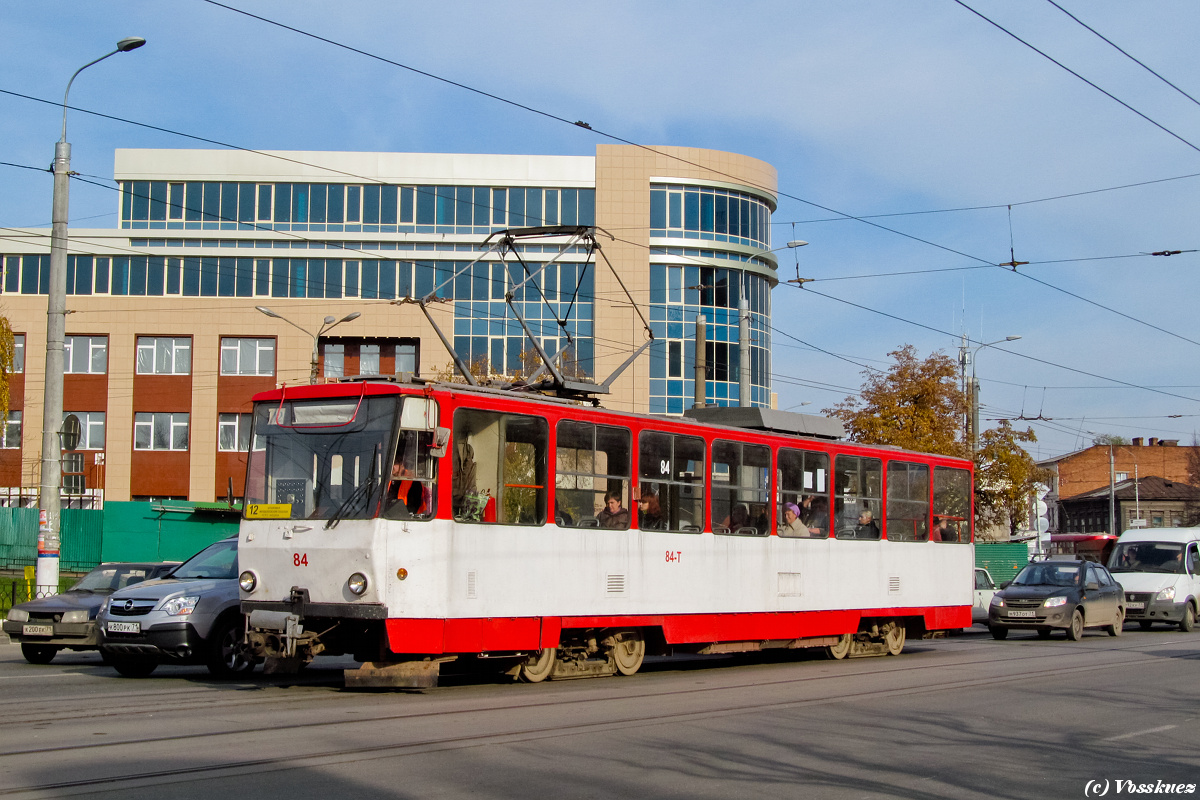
{"x": 415, "y": 524}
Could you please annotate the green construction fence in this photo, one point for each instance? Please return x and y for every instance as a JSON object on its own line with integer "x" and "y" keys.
{"x": 122, "y": 531}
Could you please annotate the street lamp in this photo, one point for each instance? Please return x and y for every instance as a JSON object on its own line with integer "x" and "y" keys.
{"x": 49, "y": 501}
{"x": 966, "y": 356}
{"x": 329, "y": 323}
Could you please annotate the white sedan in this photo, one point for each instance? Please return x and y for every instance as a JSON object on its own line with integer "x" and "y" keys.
{"x": 985, "y": 587}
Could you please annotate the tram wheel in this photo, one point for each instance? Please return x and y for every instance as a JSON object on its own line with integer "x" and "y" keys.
{"x": 628, "y": 652}
{"x": 894, "y": 639}
{"x": 840, "y": 650}
{"x": 539, "y": 666}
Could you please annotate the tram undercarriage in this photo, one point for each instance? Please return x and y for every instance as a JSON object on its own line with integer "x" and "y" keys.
{"x": 580, "y": 654}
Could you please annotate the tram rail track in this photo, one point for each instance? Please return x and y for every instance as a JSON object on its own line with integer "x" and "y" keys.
{"x": 1052, "y": 667}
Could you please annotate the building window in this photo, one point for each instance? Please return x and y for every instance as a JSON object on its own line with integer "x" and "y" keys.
{"x": 1121, "y": 476}
{"x": 85, "y": 355}
{"x": 12, "y": 431}
{"x": 91, "y": 429}
{"x": 233, "y": 433}
{"x": 368, "y": 359}
{"x": 164, "y": 355}
{"x": 247, "y": 356}
{"x": 406, "y": 358}
{"x": 334, "y": 356}
{"x": 18, "y": 365}
{"x": 160, "y": 431}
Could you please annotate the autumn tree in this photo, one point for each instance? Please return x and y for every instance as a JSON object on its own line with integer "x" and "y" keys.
{"x": 1005, "y": 477}
{"x": 915, "y": 404}
{"x": 8, "y": 351}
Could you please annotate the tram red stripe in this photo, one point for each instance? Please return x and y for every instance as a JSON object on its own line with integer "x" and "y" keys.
{"x": 482, "y": 635}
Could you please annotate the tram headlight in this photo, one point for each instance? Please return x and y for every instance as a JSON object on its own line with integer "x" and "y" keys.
{"x": 248, "y": 581}
{"x": 357, "y": 583}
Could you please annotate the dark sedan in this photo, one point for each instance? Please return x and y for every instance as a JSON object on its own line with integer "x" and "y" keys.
{"x": 1060, "y": 593}
{"x": 44, "y": 626}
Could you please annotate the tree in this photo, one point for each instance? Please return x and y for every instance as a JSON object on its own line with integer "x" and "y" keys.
{"x": 1110, "y": 439}
{"x": 915, "y": 404}
{"x": 8, "y": 351}
{"x": 1005, "y": 476}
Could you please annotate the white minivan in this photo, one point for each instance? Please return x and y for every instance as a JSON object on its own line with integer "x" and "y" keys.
{"x": 1159, "y": 569}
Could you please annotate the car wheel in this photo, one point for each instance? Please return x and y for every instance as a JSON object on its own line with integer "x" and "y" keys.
{"x": 998, "y": 632}
{"x": 1189, "y": 619}
{"x": 1118, "y": 624}
{"x": 1145, "y": 624}
{"x": 39, "y": 653}
{"x": 1075, "y": 632}
{"x": 1043, "y": 633}
{"x": 133, "y": 666}
{"x": 226, "y": 656}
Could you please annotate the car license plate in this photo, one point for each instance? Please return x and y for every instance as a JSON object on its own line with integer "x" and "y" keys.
{"x": 1138, "y": 606}
{"x": 124, "y": 627}
{"x": 37, "y": 630}
{"x": 1021, "y": 614}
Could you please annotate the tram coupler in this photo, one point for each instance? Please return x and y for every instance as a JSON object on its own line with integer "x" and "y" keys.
{"x": 396, "y": 674}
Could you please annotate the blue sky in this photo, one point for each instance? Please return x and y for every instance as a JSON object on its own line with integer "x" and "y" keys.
{"x": 866, "y": 108}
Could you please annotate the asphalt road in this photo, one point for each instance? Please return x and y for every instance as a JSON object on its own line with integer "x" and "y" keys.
{"x": 964, "y": 717}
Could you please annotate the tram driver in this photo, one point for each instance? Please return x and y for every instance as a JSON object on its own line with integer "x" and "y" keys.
{"x": 407, "y": 496}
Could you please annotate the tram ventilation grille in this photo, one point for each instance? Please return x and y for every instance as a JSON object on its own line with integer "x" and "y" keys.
{"x": 471, "y": 595}
{"x": 615, "y": 584}
{"x": 893, "y": 584}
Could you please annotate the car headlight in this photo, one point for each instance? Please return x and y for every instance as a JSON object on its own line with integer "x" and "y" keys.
{"x": 997, "y": 601}
{"x": 357, "y": 583}
{"x": 247, "y": 580}
{"x": 1166, "y": 594}
{"x": 1052, "y": 602}
{"x": 18, "y": 615}
{"x": 75, "y": 616}
{"x": 180, "y": 606}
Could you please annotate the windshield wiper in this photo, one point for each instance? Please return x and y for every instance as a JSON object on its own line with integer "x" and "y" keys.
{"x": 364, "y": 491}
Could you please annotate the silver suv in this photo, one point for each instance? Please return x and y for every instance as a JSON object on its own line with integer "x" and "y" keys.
{"x": 194, "y": 616}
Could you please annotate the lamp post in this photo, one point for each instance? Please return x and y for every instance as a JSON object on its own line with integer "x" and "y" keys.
{"x": 966, "y": 355}
{"x": 49, "y": 503}
{"x": 329, "y": 323}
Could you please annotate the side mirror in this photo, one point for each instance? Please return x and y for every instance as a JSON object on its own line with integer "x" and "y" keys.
{"x": 1091, "y": 585}
{"x": 441, "y": 438}
{"x": 1005, "y": 584}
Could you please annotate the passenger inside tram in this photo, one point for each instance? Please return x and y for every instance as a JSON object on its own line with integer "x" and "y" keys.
{"x": 613, "y": 515}
{"x": 867, "y": 527}
{"x": 650, "y": 516}
{"x": 792, "y": 525}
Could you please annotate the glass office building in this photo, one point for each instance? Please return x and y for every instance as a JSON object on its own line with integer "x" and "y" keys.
{"x": 170, "y": 346}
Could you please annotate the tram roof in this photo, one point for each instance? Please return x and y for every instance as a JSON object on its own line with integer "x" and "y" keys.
{"x": 763, "y": 421}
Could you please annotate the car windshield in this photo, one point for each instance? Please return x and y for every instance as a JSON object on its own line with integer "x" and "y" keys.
{"x": 109, "y": 578}
{"x": 1147, "y": 557}
{"x": 216, "y": 561}
{"x": 1048, "y": 574}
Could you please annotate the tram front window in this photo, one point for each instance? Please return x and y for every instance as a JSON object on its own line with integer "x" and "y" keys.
{"x": 321, "y": 459}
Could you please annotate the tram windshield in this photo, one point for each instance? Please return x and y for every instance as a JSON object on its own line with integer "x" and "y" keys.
{"x": 329, "y": 459}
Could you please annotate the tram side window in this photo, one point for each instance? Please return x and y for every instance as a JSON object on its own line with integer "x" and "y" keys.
{"x": 508, "y": 453}
{"x": 803, "y": 482}
{"x": 951, "y": 505}
{"x": 410, "y": 494}
{"x": 591, "y": 475}
{"x": 670, "y": 494}
{"x": 907, "y": 501}
{"x": 740, "y": 486}
{"x": 858, "y": 496}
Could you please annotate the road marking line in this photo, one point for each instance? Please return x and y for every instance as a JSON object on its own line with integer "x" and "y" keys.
{"x": 1138, "y": 733}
